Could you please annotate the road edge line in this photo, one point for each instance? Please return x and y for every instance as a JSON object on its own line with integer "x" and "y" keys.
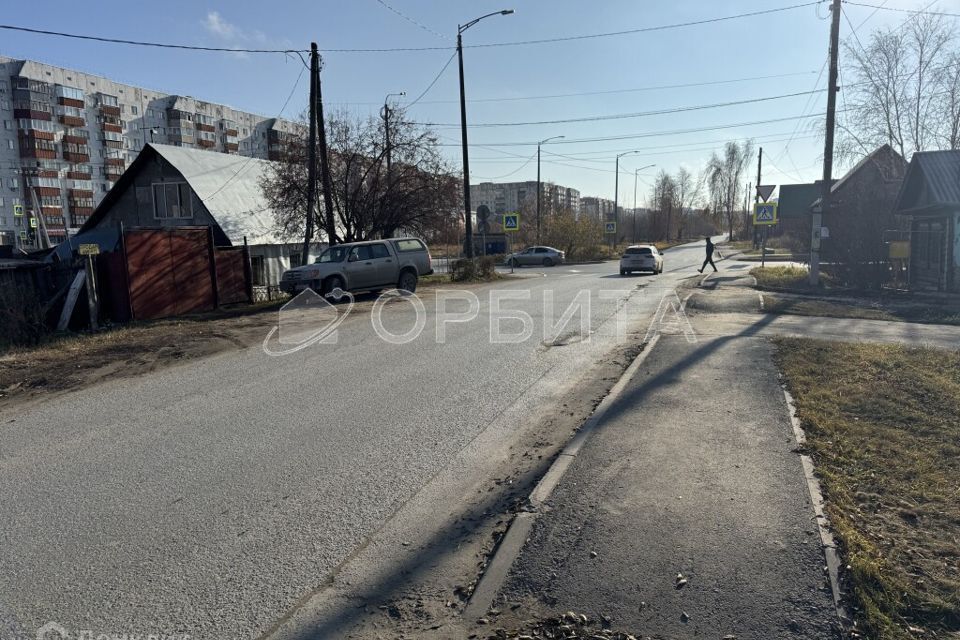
{"x": 517, "y": 534}
{"x": 827, "y": 542}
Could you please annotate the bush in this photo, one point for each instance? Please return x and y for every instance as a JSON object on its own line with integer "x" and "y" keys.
{"x": 477, "y": 269}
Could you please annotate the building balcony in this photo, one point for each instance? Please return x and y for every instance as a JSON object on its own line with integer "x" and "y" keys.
{"x": 109, "y": 126}
{"x": 79, "y": 218}
{"x": 206, "y": 144}
{"x": 33, "y": 134}
{"x": 114, "y": 162}
{"x": 113, "y": 144}
{"x": 52, "y": 192}
{"x": 78, "y": 175}
{"x": 71, "y": 156}
{"x": 231, "y": 147}
{"x": 110, "y": 111}
{"x": 205, "y": 127}
{"x": 75, "y": 139}
{"x": 30, "y": 114}
{"x": 47, "y": 173}
{"x": 70, "y": 102}
{"x": 72, "y": 121}
{"x": 233, "y": 133}
{"x": 79, "y": 193}
{"x": 39, "y": 154}
{"x": 111, "y": 173}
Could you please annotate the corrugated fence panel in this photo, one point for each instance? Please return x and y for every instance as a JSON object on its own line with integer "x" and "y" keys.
{"x": 231, "y": 275}
{"x": 192, "y": 271}
{"x": 152, "y": 286}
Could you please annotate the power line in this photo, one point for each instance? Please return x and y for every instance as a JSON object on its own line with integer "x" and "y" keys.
{"x": 507, "y": 175}
{"x": 910, "y": 11}
{"x": 249, "y": 159}
{"x": 664, "y": 27}
{"x": 411, "y": 20}
{"x": 433, "y": 82}
{"x": 623, "y": 116}
{"x": 652, "y": 134}
{"x": 140, "y": 43}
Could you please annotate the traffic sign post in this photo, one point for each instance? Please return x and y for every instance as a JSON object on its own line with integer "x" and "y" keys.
{"x": 765, "y": 191}
{"x": 764, "y": 214}
{"x": 511, "y": 222}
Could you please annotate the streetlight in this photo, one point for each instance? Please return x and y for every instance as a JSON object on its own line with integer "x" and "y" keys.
{"x": 616, "y": 190}
{"x": 386, "y": 127}
{"x": 538, "y": 180}
{"x": 463, "y": 127}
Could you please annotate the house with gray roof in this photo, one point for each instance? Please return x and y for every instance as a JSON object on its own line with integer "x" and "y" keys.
{"x": 168, "y": 186}
{"x": 930, "y": 200}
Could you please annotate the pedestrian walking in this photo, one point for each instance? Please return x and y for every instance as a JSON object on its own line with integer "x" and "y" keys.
{"x": 709, "y": 259}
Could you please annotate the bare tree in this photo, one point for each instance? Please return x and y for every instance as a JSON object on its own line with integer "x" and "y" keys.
{"x": 662, "y": 198}
{"x": 724, "y": 179}
{"x": 684, "y": 194}
{"x": 901, "y": 88}
{"x": 417, "y": 193}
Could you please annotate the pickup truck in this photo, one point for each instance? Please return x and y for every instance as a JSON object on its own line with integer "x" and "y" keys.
{"x": 363, "y": 266}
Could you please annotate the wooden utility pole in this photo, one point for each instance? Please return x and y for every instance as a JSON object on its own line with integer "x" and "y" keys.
{"x": 832, "y": 88}
{"x": 756, "y": 201}
{"x": 325, "y": 165}
{"x": 311, "y": 155}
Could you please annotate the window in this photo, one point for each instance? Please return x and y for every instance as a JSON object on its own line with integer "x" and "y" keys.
{"x": 362, "y": 252}
{"x": 10, "y": 143}
{"x": 172, "y": 200}
{"x": 5, "y": 104}
{"x": 149, "y": 113}
{"x": 134, "y": 110}
{"x": 7, "y": 125}
{"x": 1, "y": 202}
{"x": 295, "y": 260}
{"x": 411, "y": 244}
{"x": 380, "y": 251}
{"x": 259, "y": 273}
{"x": 69, "y": 92}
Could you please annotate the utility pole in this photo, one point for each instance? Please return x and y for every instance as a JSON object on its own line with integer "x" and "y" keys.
{"x": 816, "y": 219}
{"x": 756, "y": 200}
{"x": 386, "y": 129}
{"x": 311, "y": 154}
{"x": 325, "y": 165}
{"x": 636, "y": 172}
{"x": 539, "y": 188}
{"x": 468, "y": 222}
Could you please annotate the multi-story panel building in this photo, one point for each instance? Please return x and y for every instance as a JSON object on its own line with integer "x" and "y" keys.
{"x": 506, "y": 197}
{"x": 597, "y": 208}
{"x": 66, "y": 136}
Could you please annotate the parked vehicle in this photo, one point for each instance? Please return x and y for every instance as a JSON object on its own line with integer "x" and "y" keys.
{"x": 363, "y": 266}
{"x": 545, "y": 256}
{"x": 641, "y": 257}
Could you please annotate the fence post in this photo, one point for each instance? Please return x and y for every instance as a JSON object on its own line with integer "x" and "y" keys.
{"x": 126, "y": 271}
{"x": 247, "y": 270}
{"x": 213, "y": 268}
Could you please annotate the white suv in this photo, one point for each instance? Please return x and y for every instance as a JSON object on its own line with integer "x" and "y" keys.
{"x": 641, "y": 257}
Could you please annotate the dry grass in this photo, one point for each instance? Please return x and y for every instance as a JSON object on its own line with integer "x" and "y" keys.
{"x": 784, "y": 277}
{"x": 867, "y": 310}
{"x": 883, "y": 427}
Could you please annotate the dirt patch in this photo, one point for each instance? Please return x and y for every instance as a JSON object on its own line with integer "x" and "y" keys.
{"x": 883, "y": 428}
{"x": 867, "y": 309}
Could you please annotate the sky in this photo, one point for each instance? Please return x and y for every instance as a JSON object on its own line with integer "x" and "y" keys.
{"x": 764, "y": 56}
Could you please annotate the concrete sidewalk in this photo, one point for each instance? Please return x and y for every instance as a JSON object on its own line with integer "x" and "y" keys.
{"x": 693, "y": 470}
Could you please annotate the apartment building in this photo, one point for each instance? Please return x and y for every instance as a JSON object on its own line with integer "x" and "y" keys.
{"x": 66, "y": 136}
{"x": 506, "y": 197}
{"x": 597, "y": 208}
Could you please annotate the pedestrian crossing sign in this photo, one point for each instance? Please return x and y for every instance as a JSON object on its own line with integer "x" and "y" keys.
{"x": 511, "y": 222}
{"x": 765, "y": 213}
{"x": 18, "y": 210}
{"x": 611, "y": 227}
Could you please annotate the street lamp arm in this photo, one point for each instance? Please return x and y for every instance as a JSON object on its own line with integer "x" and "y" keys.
{"x": 464, "y": 27}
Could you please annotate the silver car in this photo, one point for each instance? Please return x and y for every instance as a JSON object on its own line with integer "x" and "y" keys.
{"x": 641, "y": 257}
{"x": 543, "y": 256}
{"x": 363, "y": 266}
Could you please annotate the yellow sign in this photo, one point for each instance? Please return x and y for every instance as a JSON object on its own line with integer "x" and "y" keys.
{"x": 765, "y": 213}
{"x": 511, "y": 222}
{"x": 89, "y": 250}
{"x": 33, "y": 223}
{"x": 18, "y": 210}
{"x": 899, "y": 249}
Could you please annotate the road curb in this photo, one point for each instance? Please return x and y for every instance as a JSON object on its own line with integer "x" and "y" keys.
{"x": 519, "y": 531}
{"x": 823, "y": 523}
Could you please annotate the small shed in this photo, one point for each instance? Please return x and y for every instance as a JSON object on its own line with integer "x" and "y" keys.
{"x": 930, "y": 201}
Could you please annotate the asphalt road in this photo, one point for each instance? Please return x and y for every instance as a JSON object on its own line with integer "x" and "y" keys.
{"x": 208, "y": 499}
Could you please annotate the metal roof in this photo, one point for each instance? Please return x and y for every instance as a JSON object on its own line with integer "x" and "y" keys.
{"x": 941, "y": 171}
{"x": 229, "y": 186}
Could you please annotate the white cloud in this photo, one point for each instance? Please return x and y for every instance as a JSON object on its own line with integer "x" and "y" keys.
{"x": 216, "y": 25}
